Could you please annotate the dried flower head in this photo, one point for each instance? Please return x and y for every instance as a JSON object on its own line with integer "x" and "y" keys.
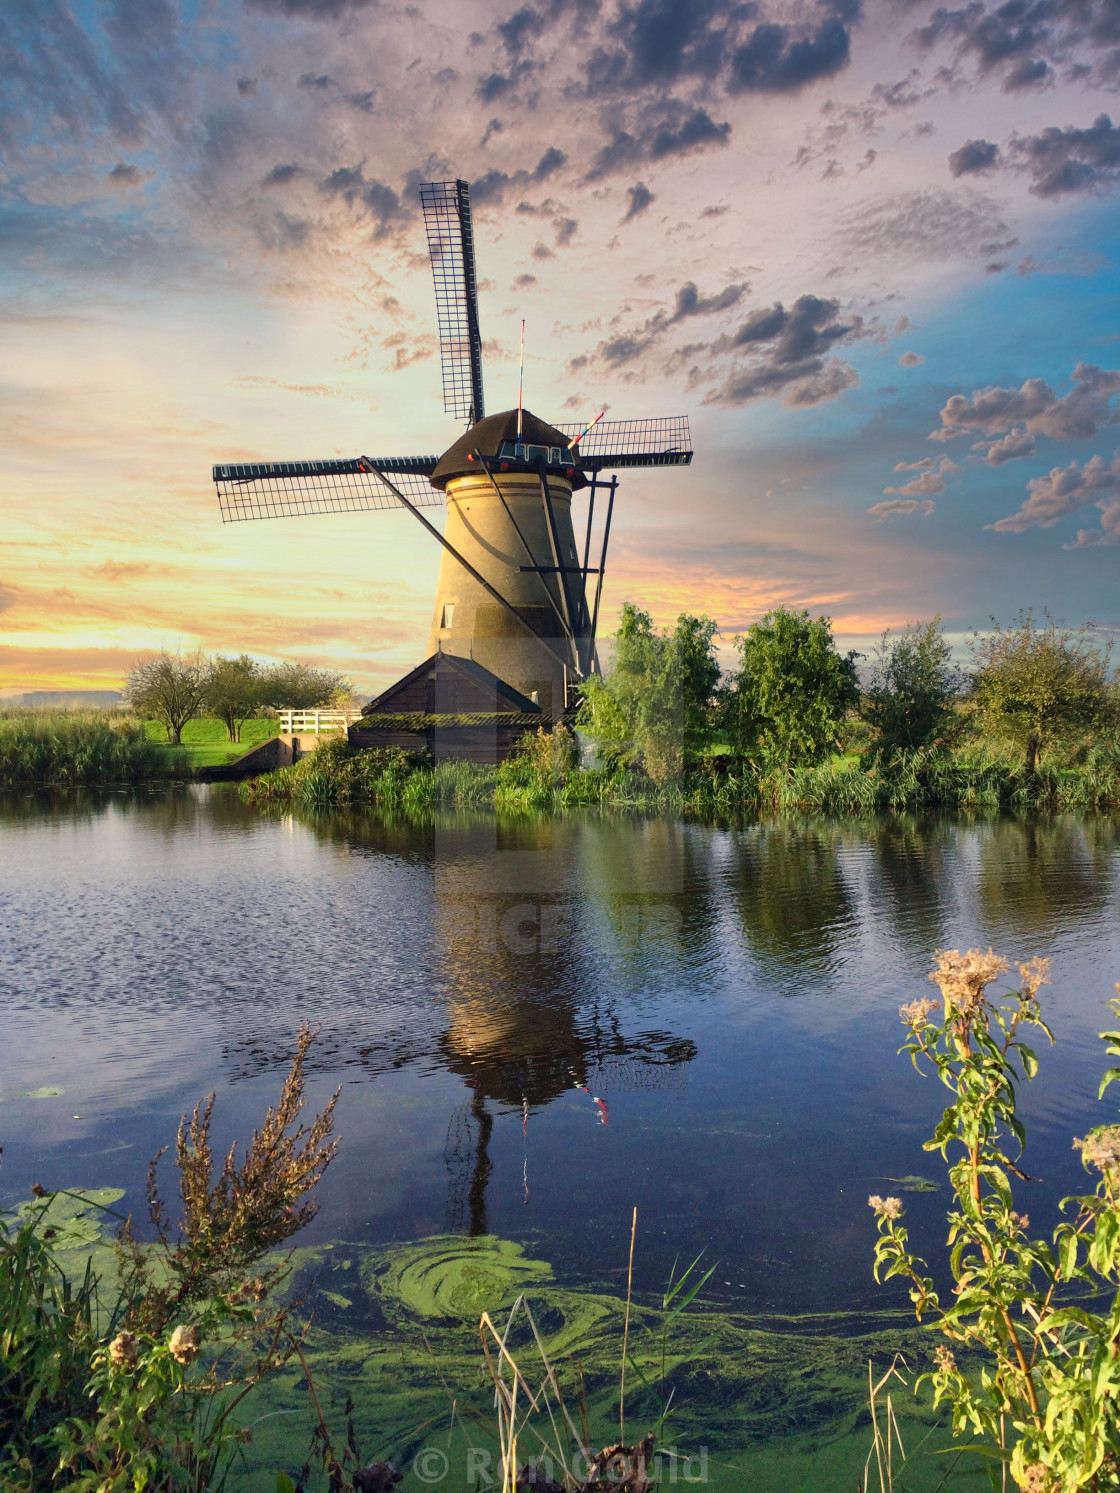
{"x": 1037, "y": 1478}
{"x": 185, "y": 1343}
{"x": 943, "y": 1357}
{"x": 885, "y": 1207}
{"x": 916, "y": 1012}
{"x": 1020, "y": 1220}
{"x": 1101, "y": 1149}
{"x": 124, "y": 1350}
{"x": 1034, "y": 973}
{"x": 964, "y": 977}
{"x": 38, "y": 1190}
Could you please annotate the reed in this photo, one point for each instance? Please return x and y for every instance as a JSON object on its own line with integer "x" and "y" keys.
{"x": 531, "y": 782}
{"x": 76, "y": 748}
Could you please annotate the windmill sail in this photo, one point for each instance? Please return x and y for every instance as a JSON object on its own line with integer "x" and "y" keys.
{"x": 287, "y": 489}
{"x": 447, "y": 218}
{"x": 611, "y": 445}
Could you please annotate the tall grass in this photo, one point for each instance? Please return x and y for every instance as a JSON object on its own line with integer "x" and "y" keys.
{"x": 338, "y": 774}
{"x": 72, "y": 748}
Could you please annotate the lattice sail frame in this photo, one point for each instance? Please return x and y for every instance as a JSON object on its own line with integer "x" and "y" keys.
{"x": 290, "y": 489}
{"x": 447, "y": 219}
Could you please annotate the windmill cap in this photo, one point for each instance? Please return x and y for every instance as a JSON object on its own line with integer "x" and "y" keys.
{"x": 487, "y": 438}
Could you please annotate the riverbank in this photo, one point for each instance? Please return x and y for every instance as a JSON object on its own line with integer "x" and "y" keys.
{"x": 338, "y": 774}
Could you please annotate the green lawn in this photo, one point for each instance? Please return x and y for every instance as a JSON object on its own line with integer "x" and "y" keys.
{"x": 205, "y": 743}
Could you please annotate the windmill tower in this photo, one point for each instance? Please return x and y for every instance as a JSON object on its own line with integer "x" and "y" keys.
{"x": 518, "y": 596}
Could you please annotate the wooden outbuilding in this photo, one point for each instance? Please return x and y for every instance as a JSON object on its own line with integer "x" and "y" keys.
{"x": 452, "y": 708}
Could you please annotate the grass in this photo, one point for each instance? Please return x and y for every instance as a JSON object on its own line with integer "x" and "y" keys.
{"x": 205, "y": 743}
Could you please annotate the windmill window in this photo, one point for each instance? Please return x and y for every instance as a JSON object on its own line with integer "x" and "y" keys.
{"x": 448, "y": 614}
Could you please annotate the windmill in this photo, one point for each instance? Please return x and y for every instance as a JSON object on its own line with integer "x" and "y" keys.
{"x": 515, "y": 596}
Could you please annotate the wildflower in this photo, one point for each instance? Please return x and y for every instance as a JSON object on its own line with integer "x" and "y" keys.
{"x": 963, "y": 977}
{"x": 1037, "y": 1478}
{"x": 916, "y": 1012}
{"x": 1034, "y": 973}
{"x": 184, "y": 1344}
{"x": 1020, "y": 1220}
{"x": 124, "y": 1350}
{"x": 943, "y": 1357}
{"x": 885, "y": 1207}
{"x": 1100, "y": 1149}
{"x": 38, "y": 1190}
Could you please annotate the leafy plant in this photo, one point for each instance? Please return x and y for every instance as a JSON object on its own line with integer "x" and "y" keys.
{"x": 132, "y": 1379}
{"x": 1046, "y": 1398}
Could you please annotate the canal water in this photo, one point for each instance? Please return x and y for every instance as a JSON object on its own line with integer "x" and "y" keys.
{"x": 540, "y": 1024}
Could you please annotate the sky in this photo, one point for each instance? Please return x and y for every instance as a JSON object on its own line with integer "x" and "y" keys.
{"x": 869, "y": 247}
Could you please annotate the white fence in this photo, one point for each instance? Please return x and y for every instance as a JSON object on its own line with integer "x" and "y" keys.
{"x": 315, "y": 721}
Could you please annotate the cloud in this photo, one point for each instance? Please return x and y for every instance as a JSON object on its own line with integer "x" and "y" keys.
{"x": 310, "y": 10}
{"x": 640, "y": 198}
{"x": 691, "y": 303}
{"x": 923, "y": 486}
{"x": 925, "y": 225}
{"x": 911, "y": 360}
{"x": 973, "y": 156}
{"x": 1015, "y": 444}
{"x": 126, "y": 176}
{"x": 1069, "y": 159}
{"x": 780, "y": 351}
{"x": 492, "y": 87}
{"x": 924, "y": 506}
{"x": 492, "y": 186}
{"x": 628, "y": 346}
{"x": 280, "y": 176}
{"x": 371, "y": 196}
{"x": 1065, "y": 490}
{"x": 775, "y": 60}
{"x": 1035, "y": 409}
{"x": 679, "y": 131}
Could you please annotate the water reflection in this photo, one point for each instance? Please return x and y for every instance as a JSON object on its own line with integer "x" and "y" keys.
{"x": 481, "y": 982}
{"x": 1042, "y": 873}
{"x": 793, "y": 900}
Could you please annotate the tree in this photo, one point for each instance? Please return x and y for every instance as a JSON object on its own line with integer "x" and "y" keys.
{"x": 791, "y": 691}
{"x": 234, "y": 688}
{"x": 300, "y": 687}
{"x": 1040, "y": 687}
{"x": 169, "y": 688}
{"x": 656, "y": 701}
{"x": 911, "y": 687}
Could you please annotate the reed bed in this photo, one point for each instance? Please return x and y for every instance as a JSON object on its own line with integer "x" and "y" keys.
{"x": 338, "y": 774}
{"x": 76, "y": 748}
